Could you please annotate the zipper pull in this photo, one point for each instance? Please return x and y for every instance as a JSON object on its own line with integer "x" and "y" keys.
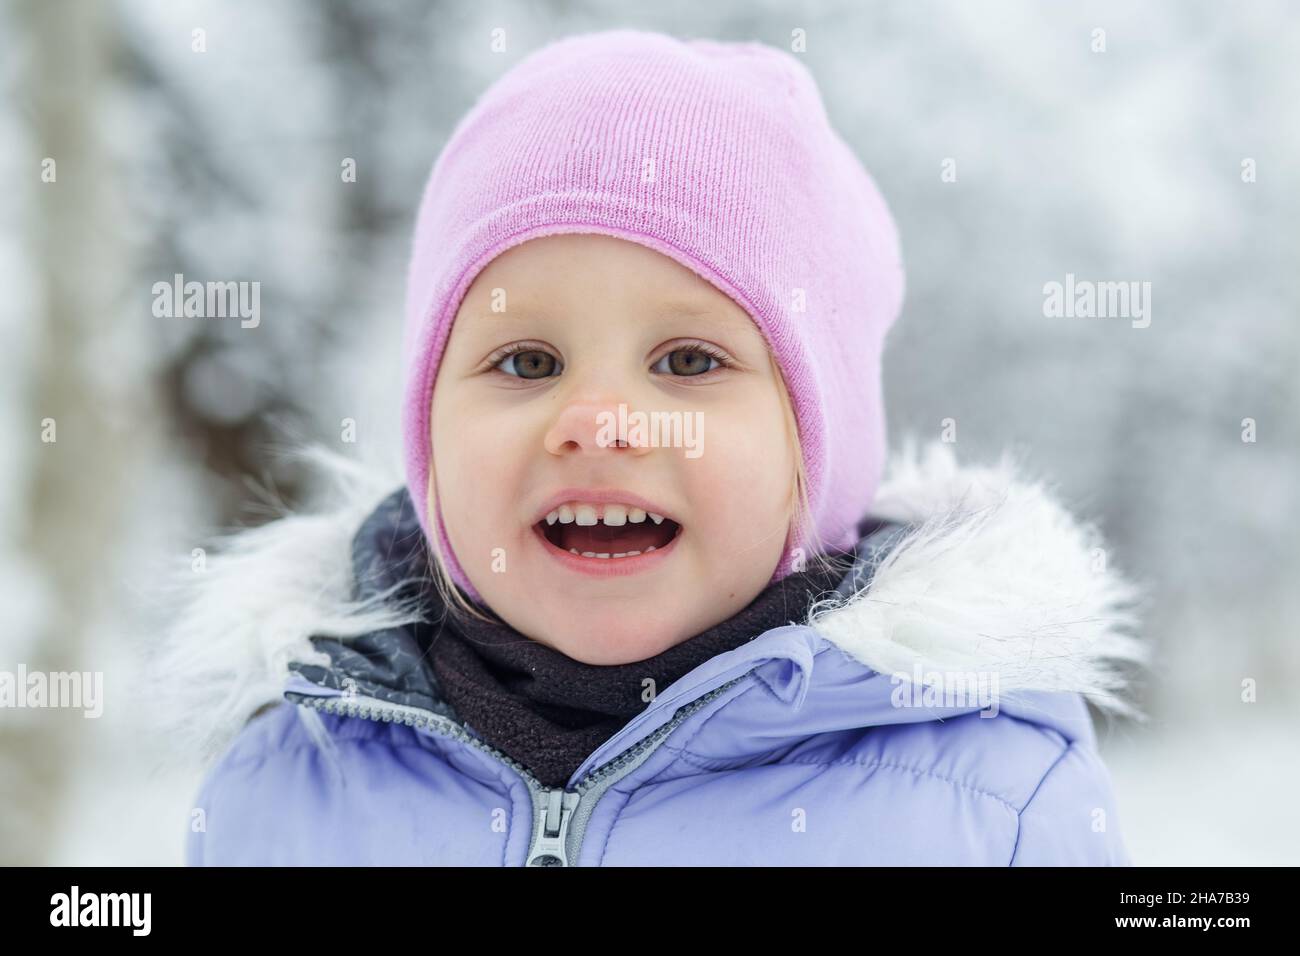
{"x": 553, "y": 818}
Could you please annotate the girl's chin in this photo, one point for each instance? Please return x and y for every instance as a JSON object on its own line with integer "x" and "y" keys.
{"x": 591, "y": 634}
{"x": 610, "y": 648}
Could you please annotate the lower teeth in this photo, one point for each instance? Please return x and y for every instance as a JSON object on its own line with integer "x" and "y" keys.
{"x": 621, "y": 554}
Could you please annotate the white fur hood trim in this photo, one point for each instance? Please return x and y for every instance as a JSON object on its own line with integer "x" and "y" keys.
{"x": 993, "y": 575}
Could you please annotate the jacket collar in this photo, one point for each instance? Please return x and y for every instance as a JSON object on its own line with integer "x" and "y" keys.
{"x": 959, "y": 571}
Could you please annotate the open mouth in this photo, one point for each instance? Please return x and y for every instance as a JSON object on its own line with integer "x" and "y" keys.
{"x": 609, "y": 541}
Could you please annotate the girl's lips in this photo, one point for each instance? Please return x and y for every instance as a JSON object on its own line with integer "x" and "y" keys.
{"x": 608, "y": 567}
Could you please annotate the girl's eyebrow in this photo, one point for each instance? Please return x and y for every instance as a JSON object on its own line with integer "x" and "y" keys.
{"x": 519, "y": 313}
{"x": 683, "y": 307}
{"x": 693, "y": 310}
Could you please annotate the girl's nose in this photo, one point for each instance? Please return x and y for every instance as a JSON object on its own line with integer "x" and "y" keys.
{"x": 589, "y": 426}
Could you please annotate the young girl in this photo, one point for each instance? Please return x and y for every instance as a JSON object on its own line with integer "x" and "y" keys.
{"x": 644, "y": 597}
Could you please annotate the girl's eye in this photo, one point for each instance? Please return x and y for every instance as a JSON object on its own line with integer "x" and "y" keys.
{"x": 691, "y": 360}
{"x": 528, "y": 363}
{"x": 688, "y": 361}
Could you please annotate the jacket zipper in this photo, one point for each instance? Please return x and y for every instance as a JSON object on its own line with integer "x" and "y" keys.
{"x": 560, "y": 815}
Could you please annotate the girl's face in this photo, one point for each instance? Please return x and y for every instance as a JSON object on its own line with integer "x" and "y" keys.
{"x": 552, "y": 338}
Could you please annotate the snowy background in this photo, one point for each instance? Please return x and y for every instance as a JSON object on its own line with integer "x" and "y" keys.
{"x": 1119, "y": 165}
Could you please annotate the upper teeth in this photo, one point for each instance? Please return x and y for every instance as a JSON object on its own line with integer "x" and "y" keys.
{"x": 610, "y": 514}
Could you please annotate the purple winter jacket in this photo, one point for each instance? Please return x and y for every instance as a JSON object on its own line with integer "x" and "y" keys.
{"x": 933, "y": 713}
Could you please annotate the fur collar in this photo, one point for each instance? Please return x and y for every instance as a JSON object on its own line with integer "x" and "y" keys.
{"x": 991, "y": 573}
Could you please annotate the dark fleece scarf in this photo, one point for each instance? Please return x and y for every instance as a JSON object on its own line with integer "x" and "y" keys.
{"x": 550, "y": 712}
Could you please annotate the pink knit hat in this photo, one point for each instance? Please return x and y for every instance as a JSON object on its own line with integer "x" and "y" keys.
{"x": 719, "y": 155}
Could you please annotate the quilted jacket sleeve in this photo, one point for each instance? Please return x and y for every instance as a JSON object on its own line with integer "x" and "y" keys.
{"x": 235, "y": 793}
{"x": 1071, "y": 818}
